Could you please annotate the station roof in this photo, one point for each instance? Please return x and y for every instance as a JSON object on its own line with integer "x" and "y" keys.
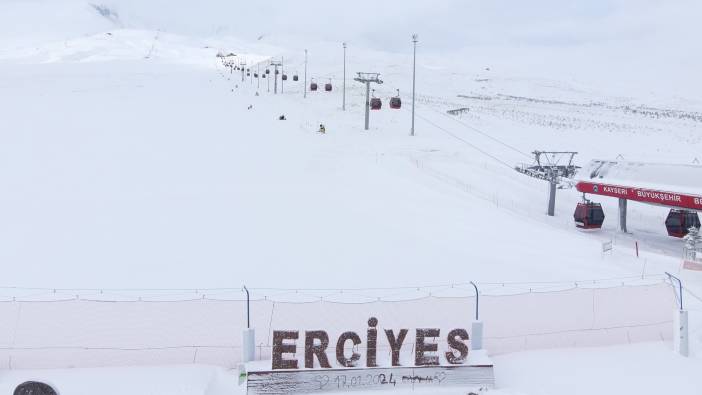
{"x": 655, "y": 183}
{"x": 659, "y": 176}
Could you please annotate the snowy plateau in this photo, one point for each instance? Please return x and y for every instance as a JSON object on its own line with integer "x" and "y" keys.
{"x": 137, "y": 167}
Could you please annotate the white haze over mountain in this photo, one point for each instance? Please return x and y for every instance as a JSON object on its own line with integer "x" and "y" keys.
{"x": 599, "y": 42}
{"x": 385, "y": 24}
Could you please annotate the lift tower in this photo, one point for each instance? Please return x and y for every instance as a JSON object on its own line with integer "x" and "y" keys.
{"x": 242, "y": 66}
{"x": 367, "y": 78}
{"x": 275, "y": 65}
{"x": 554, "y": 167}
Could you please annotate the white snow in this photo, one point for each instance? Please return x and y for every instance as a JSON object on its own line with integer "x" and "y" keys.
{"x": 129, "y": 159}
{"x": 124, "y": 167}
{"x": 645, "y": 369}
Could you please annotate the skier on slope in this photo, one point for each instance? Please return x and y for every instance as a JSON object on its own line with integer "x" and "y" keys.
{"x": 322, "y": 129}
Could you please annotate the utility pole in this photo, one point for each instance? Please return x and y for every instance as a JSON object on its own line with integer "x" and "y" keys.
{"x": 343, "y": 103}
{"x": 258, "y": 79}
{"x": 367, "y": 78}
{"x": 275, "y": 76}
{"x": 414, "y": 78}
{"x": 282, "y": 72}
{"x": 305, "y": 74}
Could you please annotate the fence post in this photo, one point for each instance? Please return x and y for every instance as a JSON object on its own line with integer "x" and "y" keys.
{"x": 476, "y": 326}
{"x": 248, "y": 344}
{"x": 681, "y": 340}
{"x": 681, "y": 343}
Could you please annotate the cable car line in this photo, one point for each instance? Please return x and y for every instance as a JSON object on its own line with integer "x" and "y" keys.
{"x": 396, "y": 104}
{"x": 466, "y": 142}
{"x": 482, "y": 133}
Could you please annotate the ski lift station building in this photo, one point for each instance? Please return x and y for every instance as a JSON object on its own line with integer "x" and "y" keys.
{"x": 677, "y": 187}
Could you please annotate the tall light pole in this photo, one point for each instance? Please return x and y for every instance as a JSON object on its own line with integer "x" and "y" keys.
{"x": 414, "y": 78}
{"x": 343, "y": 103}
{"x": 305, "y": 74}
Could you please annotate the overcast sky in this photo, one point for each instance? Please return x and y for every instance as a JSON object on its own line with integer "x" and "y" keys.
{"x": 382, "y": 24}
{"x": 656, "y": 41}
{"x": 386, "y": 24}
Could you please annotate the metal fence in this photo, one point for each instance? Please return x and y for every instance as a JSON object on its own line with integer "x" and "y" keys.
{"x": 46, "y": 328}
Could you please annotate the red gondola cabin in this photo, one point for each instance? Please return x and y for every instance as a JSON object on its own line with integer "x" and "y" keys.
{"x": 589, "y": 215}
{"x": 679, "y": 222}
{"x": 395, "y": 101}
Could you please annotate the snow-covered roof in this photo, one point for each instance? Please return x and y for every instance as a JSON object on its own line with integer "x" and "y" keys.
{"x": 660, "y": 176}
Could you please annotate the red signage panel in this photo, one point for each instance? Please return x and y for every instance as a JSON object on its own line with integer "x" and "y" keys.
{"x": 664, "y": 198}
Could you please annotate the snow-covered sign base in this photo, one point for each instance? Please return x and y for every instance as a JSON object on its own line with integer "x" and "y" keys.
{"x": 401, "y": 379}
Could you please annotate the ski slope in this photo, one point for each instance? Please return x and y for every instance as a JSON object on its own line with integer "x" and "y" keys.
{"x": 155, "y": 169}
{"x": 129, "y": 157}
{"x": 126, "y": 159}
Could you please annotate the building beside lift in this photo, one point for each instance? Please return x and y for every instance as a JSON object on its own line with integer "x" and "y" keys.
{"x": 638, "y": 182}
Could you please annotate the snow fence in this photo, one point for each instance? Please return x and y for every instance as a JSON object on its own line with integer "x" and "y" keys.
{"x": 94, "y": 328}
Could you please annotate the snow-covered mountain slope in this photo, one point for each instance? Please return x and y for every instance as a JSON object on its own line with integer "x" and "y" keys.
{"x": 130, "y": 158}
{"x": 133, "y": 151}
{"x": 625, "y": 46}
{"x": 135, "y": 167}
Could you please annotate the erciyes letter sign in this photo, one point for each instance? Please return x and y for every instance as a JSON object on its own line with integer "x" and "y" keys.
{"x": 309, "y": 361}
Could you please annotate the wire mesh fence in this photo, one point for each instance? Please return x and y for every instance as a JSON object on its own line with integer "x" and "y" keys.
{"x": 46, "y": 328}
